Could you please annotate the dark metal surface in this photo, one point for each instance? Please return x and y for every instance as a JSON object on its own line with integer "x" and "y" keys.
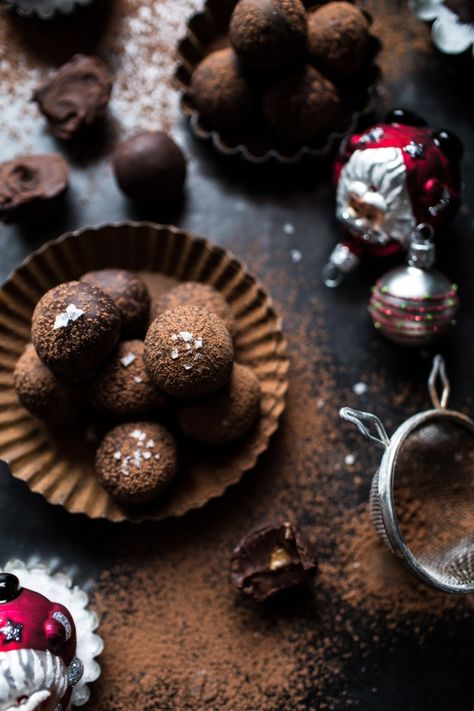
{"x": 246, "y": 210}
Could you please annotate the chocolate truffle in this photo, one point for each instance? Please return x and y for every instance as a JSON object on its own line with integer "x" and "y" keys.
{"x": 75, "y": 326}
{"x": 338, "y": 37}
{"x": 136, "y": 462}
{"x": 227, "y": 416}
{"x": 268, "y": 33}
{"x": 42, "y": 394}
{"x": 189, "y": 352}
{"x": 75, "y": 96}
{"x": 31, "y": 186}
{"x": 123, "y": 386}
{"x": 193, "y": 293}
{"x": 129, "y": 294}
{"x": 302, "y": 105}
{"x": 272, "y": 558}
{"x": 150, "y": 167}
{"x": 220, "y": 92}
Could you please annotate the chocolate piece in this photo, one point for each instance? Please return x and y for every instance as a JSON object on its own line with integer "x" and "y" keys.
{"x": 129, "y": 294}
{"x": 75, "y": 96}
{"x": 189, "y": 352}
{"x": 150, "y": 167}
{"x": 75, "y": 326}
{"x": 31, "y": 186}
{"x": 123, "y": 386}
{"x": 271, "y": 558}
{"x": 193, "y": 293}
{"x": 268, "y": 33}
{"x": 42, "y": 394}
{"x": 227, "y": 416}
{"x": 220, "y": 91}
{"x": 136, "y": 462}
{"x": 338, "y": 37}
{"x": 302, "y": 105}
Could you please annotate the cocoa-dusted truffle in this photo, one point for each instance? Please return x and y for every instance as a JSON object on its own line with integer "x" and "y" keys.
{"x": 268, "y": 33}
{"x": 302, "y": 105}
{"x": 75, "y": 96}
{"x": 188, "y": 352}
{"x": 220, "y": 91}
{"x": 42, "y": 394}
{"x": 227, "y": 416}
{"x": 123, "y": 386}
{"x": 272, "y": 558}
{"x": 31, "y": 186}
{"x": 338, "y": 37}
{"x": 136, "y": 462}
{"x": 193, "y": 293}
{"x": 74, "y": 328}
{"x": 150, "y": 167}
{"x": 129, "y": 294}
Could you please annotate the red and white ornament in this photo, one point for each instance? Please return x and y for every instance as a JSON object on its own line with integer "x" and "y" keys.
{"x": 388, "y": 179}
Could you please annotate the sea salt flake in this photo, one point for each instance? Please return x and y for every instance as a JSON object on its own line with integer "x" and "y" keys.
{"x": 137, "y": 379}
{"x": 138, "y": 435}
{"x": 146, "y": 455}
{"x": 174, "y": 337}
{"x": 72, "y": 313}
{"x": 188, "y": 366}
{"x": 186, "y": 336}
{"x": 157, "y": 456}
{"x": 174, "y": 353}
{"x": 150, "y": 444}
{"x": 117, "y": 455}
{"x": 128, "y": 359}
{"x": 137, "y": 458}
{"x": 360, "y": 388}
{"x": 296, "y": 255}
{"x": 197, "y": 343}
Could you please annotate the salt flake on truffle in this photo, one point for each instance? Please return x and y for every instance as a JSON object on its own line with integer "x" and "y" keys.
{"x": 72, "y": 313}
{"x": 128, "y": 359}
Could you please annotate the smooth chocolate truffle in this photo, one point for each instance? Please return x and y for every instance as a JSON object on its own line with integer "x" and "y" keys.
{"x": 75, "y": 96}
{"x": 268, "y": 33}
{"x": 150, "y": 167}
{"x": 220, "y": 92}
{"x": 129, "y": 294}
{"x": 227, "y": 416}
{"x": 338, "y": 37}
{"x": 31, "y": 186}
{"x": 272, "y": 558}
{"x": 189, "y": 352}
{"x": 75, "y": 326}
{"x": 302, "y": 106}
{"x": 136, "y": 462}
{"x": 123, "y": 386}
{"x": 193, "y": 293}
{"x": 42, "y": 394}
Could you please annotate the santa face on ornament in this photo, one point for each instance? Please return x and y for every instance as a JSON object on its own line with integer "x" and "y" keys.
{"x": 389, "y": 179}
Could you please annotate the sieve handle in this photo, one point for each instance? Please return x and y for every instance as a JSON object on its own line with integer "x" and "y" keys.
{"x": 438, "y": 375}
{"x": 369, "y": 425}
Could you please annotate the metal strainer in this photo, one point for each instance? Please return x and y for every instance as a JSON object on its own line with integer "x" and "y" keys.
{"x": 422, "y": 496}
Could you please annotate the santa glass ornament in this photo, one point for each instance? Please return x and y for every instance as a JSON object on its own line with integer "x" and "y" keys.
{"x": 388, "y": 179}
{"x": 47, "y": 641}
{"x": 415, "y": 305}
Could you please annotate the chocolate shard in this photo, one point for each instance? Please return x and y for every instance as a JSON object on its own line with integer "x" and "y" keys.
{"x": 75, "y": 96}
{"x": 30, "y": 186}
{"x": 272, "y": 558}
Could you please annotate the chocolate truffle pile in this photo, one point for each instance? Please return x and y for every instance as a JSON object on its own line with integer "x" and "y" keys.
{"x": 285, "y": 69}
{"x": 94, "y": 349}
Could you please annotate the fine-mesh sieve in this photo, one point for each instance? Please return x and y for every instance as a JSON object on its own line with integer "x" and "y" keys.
{"x": 422, "y": 496}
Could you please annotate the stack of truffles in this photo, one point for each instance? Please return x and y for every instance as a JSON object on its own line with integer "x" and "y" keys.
{"x": 287, "y": 68}
{"x": 94, "y": 350}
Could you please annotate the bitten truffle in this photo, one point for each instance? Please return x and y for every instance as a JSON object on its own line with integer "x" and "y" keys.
{"x": 31, "y": 186}
{"x": 268, "y": 33}
{"x": 136, "y": 462}
{"x": 272, "y": 558}
{"x": 150, "y": 167}
{"x": 75, "y": 96}
{"x": 75, "y": 326}
{"x": 220, "y": 91}
{"x": 338, "y": 37}
{"x": 129, "y": 294}
{"x": 189, "y": 352}
{"x": 122, "y": 386}
{"x": 193, "y": 293}
{"x": 227, "y": 416}
{"x": 302, "y": 105}
{"x": 42, "y": 394}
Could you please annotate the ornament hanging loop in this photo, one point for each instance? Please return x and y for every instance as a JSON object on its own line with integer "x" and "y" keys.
{"x": 438, "y": 376}
{"x": 421, "y": 252}
{"x": 369, "y": 425}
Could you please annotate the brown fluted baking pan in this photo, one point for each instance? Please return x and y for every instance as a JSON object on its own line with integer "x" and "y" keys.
{"x": 59, "y": 463}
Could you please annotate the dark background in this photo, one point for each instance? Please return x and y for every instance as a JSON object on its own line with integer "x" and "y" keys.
{"x": 245, "y": 208}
